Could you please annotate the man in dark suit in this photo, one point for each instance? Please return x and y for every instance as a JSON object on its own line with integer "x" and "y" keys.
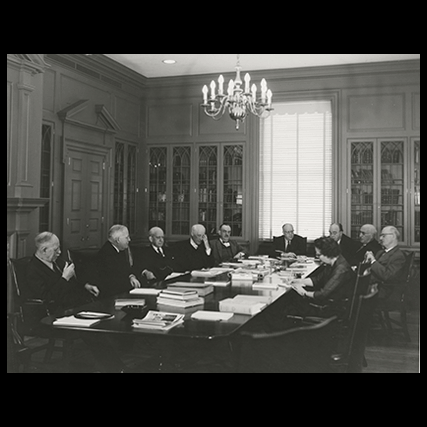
{"x": 115, "y": 264}
{"x": 54, "y": 280}
{"x": 195, "y": 253}
{"x": 225, "y": 249}
{"x": 387, "y": 266}
{"x": 348, "y": 246}
{"x": 157, "y": 262}
{"x": 290, "y": 243}
{"x": 369, "y": 243}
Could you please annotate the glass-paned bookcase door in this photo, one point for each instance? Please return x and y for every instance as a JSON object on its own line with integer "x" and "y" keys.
{"x": 417, "y": 192}
{"x": 158, "y": 169}
{"x": 362, "y": 185}
{"x": 393, "y": 185}
{"x": 181, "y": 190}
{"x": 208, "y": 187}
{"x": 233, "y": 188}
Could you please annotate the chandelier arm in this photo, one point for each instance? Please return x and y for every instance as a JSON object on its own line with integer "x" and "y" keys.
{"x": 218, "y": 112}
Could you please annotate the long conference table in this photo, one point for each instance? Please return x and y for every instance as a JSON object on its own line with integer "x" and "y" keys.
{"x": 272, "y": 286}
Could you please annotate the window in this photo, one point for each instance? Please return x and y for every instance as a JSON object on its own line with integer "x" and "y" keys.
{"x": 296, "y": 169}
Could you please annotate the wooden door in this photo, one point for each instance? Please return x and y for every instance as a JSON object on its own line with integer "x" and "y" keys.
{"x": 84, "y": 199}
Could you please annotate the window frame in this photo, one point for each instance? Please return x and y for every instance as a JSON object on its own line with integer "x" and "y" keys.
{"x": 338, "y": 151}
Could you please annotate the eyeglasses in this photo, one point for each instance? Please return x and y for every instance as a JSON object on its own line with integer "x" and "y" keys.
{"x": 386, "y": 234}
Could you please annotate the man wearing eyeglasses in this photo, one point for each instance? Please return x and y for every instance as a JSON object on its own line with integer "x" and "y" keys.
{"x": 387, "y": 265}
{"x": 368, "y": 239}
{"x": 290, "y": 243}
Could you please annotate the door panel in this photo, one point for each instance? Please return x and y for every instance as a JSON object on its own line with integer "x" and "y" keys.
{"x": 84, "y": 199}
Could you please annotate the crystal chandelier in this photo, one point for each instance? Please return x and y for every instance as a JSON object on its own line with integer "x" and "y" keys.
{"x": 239, "y": 102}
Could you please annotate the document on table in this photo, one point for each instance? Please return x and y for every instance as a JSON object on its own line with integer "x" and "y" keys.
{"x": 145, "y": 291}
{"x": 213, "y": 316}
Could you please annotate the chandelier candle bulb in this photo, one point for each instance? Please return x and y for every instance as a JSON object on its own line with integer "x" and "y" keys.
{"x": 205, "y": 94}
{"x": 231, "y": 88}
{"x": 213, "y": 87}
{"x": 221, "y": 85}
{"x": 269, "y": 97}
{"x": 248, "y": 82}
{"x": 263, "y": 90}
{"x": 254, "y": 90}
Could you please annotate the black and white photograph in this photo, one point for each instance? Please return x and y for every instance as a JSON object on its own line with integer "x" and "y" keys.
{"x": 213, "y": 213}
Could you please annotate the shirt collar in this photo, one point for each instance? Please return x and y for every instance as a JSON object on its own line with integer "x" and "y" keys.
{"x": 47, "y": 263}
{"x": 226, "y": 244}
{"x": 193, "y": 243}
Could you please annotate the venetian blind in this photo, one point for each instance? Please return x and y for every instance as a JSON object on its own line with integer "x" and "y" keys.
{"x": 296, "y": 169}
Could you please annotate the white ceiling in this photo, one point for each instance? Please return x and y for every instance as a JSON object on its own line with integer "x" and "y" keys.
{"x": 151, "y": 64}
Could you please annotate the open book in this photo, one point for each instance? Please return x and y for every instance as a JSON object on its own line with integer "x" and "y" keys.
{"x": 159, "y": 321}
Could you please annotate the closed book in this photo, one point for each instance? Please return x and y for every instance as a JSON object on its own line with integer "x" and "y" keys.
{"x": 178, "y": 294}
{"x": 222, "y": 280}
{"x": 185, "y": 285}
{"x": 182, "y": 304}
{"x": 212, "y": 316}
{"x": 73, "y": 322}
{"x": 201, "y": 291}
{"x": 240, "y": 307}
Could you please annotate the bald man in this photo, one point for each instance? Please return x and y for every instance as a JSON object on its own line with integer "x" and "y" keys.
{"x": 194, "y": 253}
{"x": 157, "y": 261}
{"x": 368, "y": 238}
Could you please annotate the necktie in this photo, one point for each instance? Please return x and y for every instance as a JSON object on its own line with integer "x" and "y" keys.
{"x": 56, "y": 269}
{"x": 129, "y": 256}
{"x": 160, "y": 252}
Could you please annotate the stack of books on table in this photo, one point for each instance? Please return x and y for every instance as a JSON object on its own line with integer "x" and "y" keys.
{"x": 202, "y": 289}
{"x": 179, "y": 298}
{"x": 244, "y": 304}
{"x": 158, "y": 321}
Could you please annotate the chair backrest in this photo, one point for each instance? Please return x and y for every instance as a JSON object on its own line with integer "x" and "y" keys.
{"x": 401, "y": 285}
{"x": 20, "y": 269}
{"x": 359, "y": 329}
{"x": 409, "y": 265}
{"x": 306, "y": 349}
{"x": 32, "y": 311}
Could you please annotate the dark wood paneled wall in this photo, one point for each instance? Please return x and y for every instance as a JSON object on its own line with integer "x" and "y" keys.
{"x": 94, "y": 102}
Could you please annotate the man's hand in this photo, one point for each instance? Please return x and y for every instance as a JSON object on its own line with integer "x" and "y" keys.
{"x": 92, "y": 289}
{"x": 149, "y": 275}
{"x": 69, "y": 271}
{"x": 135, "y": 282}
{"x": 206, "y": 242}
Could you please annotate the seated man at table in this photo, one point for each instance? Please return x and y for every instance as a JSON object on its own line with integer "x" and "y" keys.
{"x": 53, "y": 280}
{"x": 225, "y": 249}
{"x": 348, "y": 246}
{"x": 157, "y": 262}
{"x": 115, "y": 264}
{"x": 194, "y": 253}
{"x": 368, "y": 239}
{"x": 290, "y": 243}
{"x": 387, "y": 266}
